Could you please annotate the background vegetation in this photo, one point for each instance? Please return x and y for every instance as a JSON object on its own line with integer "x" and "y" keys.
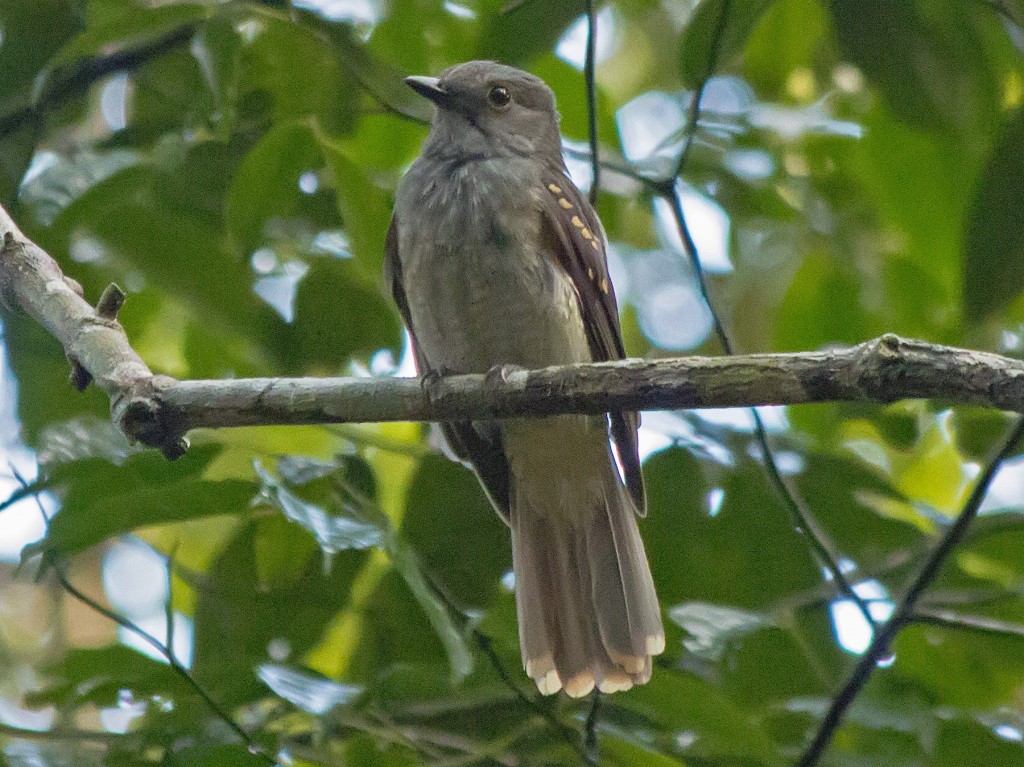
{"x": 337, "y": 594}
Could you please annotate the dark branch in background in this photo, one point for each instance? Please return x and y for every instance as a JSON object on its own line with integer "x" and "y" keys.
{"x": 803, "y": 517}
{"x": 590, "y": 749}
{"x": 71, "y": 82}
{"x": 166, "y": 650}
{"x": 1005, "y": 13}
{"x": 977, "y": 623}
{"x": 905, "y": 609}
{"x": 589, "y": 64}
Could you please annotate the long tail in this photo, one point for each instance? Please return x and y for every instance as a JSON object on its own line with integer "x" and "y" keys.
{"x": 588, "y": 613}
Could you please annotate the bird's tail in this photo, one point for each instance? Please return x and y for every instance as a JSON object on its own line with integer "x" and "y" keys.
{"x": 588, "y": 613}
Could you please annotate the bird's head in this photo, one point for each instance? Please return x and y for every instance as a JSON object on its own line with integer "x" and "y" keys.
{"x": 492, "y": 109}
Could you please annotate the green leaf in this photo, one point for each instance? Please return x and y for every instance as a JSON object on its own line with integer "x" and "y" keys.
{"x": 170, "y": 94}
{"x": 823, "y": 307}
{"x": 252, "y": 596}
{"x": 32, "y": 31}
{"x": 893, "y": 163}
{"x": 845, "y": 496}
{"x": 364, "y": 208}
{"x": 113, "y": 25}
{"x": 327, "y": 332}
{"x": 738, "y": 557}
{"x": 677, "y": 701}
{"x": 965, "y": 669}
{"x": 265, "y": 195}
{"x": 333, "y": 533}
{"x": 97, "y": 676}
{"x": 394, "y": 634}
{"x": 16, "y": 150}
{"x": 624, "y": 753}
{"x": 790, "y": 35}
{"x": 35, "y": 356}
{"x": 528, "y": 29}
{"x": 993, "y": 256}
{"x": 752, "y": 668}
{"x": 404, "y": 559}
{"x": 209, "y": 755}
{"x": 313, "y": 694}
{"x": 710, "y": 41}
{"x": 710, "y": 628}
{"x": 378, "y": 78}
{"x": 265, "y": 192}
{"x": 978, "y": 430}
{"x": 466, "y": 549}
{"x": 927, "y": 57}
{"x": 962, "y": 740}
{"x": 103, "y": 500}
{"x": 136, "y": 216}
{"x": 295, "y": 70}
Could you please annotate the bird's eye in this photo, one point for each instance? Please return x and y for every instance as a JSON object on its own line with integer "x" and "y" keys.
{"x": 499, "y": 96}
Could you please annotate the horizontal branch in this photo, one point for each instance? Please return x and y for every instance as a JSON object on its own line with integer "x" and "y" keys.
{"x": 158, "y": 411}
{"x": 882, "y": 370}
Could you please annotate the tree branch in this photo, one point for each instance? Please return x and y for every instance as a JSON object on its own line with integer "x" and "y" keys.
{"x": 589, "y": 64}
{"x": 158, "y": 410}
{"x": 93, "y": 339}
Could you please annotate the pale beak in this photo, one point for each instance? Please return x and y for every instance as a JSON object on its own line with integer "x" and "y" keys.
{"x": 430, "y": 87}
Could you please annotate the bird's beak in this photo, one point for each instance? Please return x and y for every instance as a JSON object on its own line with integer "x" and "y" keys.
{"x": 430, "y": 87}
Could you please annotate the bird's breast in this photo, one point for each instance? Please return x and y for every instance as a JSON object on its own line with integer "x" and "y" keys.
{"x": 481, "y": 290}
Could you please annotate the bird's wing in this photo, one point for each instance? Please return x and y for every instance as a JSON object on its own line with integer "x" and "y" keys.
{"x": 575, "y": 235}
{"x": 482, "y": 450}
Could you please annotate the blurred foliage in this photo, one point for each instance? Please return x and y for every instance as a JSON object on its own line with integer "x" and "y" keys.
{"x": 341, "y": 590}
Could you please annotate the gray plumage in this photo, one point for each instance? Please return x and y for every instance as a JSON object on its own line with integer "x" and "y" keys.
{"x": 495, "y": 258}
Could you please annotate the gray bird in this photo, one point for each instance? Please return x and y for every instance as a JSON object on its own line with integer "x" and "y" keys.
{"x": 494, "y": 258}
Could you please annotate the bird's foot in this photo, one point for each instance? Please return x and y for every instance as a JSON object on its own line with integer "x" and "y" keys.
{"x": 430, "y": 383}
{"x": 500, "y": 374}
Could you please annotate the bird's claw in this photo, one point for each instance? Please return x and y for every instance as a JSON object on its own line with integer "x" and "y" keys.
{"x": 500, "y": 374}
{"x": 430, "y": 383}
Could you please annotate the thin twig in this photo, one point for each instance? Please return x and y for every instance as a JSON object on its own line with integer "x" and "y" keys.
{"x": 589, "y": 744}
{"x": 485, "y": 643}
{"x": 591, "y": 747}
{"x": 978, "y": 623}
{"x": 254, "y": 747}
{"x": 589, "y": 64}
{"x": 693, "y": 114}
{"x": 803, "y": 517}
{"x": 905, "y": 609}
{"x": 165, "y": 651}
{"x": 89, "y": 736}
{"x": 1000, "y": 9}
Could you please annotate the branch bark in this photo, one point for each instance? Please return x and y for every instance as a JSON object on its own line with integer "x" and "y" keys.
{"x": 157, "y": 410}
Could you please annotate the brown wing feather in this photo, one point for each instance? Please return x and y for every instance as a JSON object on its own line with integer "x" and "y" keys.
{"x": 576, "y": 237}
{"x": 484, "y": 452}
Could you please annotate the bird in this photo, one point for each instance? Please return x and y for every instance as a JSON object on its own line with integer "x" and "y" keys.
{"x": 496, "y": 261}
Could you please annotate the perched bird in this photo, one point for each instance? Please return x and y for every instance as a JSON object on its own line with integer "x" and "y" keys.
{"x": 494, "y": 258}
